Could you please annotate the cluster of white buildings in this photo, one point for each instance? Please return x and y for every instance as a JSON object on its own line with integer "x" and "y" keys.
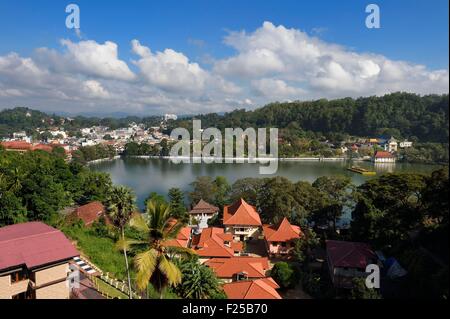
{"x": 90, "y": 136}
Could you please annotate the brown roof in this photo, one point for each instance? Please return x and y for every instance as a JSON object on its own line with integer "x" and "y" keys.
{"x": 282, "y": 232}
{"x": 90, "y": 212}
{"x": 349, "y": 254}
{"x": 33, "y": 244}
{"x": 211, "y": 243}
{"x": 252, "y": 289}
{"x": 203, "y": 207}
{"x": 253, "y": 267}
{"x": 241, "y": 213}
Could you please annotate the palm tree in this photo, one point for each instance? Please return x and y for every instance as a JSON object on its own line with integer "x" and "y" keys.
{"x": 199, "y": 281}
{"x": 155, "y": 263}
{"x": 120, "y": 208}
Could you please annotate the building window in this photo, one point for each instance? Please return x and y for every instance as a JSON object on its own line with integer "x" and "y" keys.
{"x": 241, "y": 276}
{"x": 19, "y": 276}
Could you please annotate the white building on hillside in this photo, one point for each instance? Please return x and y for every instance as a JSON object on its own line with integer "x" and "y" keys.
{"x": 406, "y": 144}
{"x": 391, "y": 145}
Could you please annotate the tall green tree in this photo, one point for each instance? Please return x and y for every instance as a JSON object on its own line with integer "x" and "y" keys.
{"x": 176, "y": 200}
{"x": 276, "y": 199}
{"x": 388, "y": 208}
{"x": 120, "y": 208}
{"x": 155, "y": 260}
{"x": 338, "y": 193}
{"x": 12, "y": 210}
{"x": 222, "y": 191}
{"x": 435, "y": 196}
{"x": 203, "y": 188}
{"x": 247, "y": 188}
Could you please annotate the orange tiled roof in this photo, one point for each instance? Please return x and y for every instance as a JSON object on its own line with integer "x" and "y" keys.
{"x": 42, "y": 147}
{"x": 182, "y": 239}
{"x": 383, "y": 154}
{"x": 25, "y": 146}
{"x": 241, "y": 213}
{"x": 17, "y": 145}
{"x": 252, "y": 289}
{"x": 282, "y": 232}
{"x": 210, "y": 243}
{"x": 253, "y": 267}
{"x": 204, "y": 207}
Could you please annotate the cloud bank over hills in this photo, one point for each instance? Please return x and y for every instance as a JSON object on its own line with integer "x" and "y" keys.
{"x": 271, "y": 63}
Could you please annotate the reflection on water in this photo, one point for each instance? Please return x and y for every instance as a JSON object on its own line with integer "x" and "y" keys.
{"x": 158, "y": 175}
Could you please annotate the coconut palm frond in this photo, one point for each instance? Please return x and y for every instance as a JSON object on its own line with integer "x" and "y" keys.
{"x": 185, "y": 252}
{"x": 173, "y": 229}
{"x": 170, "y": 271}
{"x": 139, "y": 222}
{"x": 145, "y": 263}
{"x": 126, "y": 244}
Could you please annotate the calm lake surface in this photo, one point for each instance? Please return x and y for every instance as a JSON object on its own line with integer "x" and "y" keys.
{"x": 159, "y": 175}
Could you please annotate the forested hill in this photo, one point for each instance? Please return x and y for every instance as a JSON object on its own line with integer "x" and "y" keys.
{"x": 402, "y": 115}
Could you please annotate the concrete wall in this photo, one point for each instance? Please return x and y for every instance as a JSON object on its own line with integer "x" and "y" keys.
{"x": 250, "y": 232}
{"x": 55, "y": 291}
{"x": 8, "y": 289}
{"x": 51, "y": 274}
{"x": 58, "y": 290}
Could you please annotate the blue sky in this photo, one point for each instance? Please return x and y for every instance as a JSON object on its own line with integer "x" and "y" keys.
{"x": 412, "y": 31}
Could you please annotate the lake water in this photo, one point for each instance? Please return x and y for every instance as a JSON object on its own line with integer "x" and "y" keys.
{"x": 159, "y": 175}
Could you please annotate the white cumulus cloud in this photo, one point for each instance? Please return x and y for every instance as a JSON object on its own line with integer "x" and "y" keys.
{"x": 270, "y": 63}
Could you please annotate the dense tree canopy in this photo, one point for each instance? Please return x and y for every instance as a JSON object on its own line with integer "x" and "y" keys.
{"x": 37, "y": 185}
{"x": 199, "y": 281}
{"x": 90, "y": 153}
{"x": 403, "y": 115}
{"x": 388, "y": 208}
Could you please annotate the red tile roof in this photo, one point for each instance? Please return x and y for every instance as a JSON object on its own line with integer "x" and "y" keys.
{"x": 349, "y": 254}
{"x": 383, "y": 154}
{"x": 241, "y": 213}
{"x": 33, "y": 244}
{"x": 203, "y": 207}
{"x": 182, "y": 239}
{"x": 17, "y": 145}
{"x": 25, "y": 146}
{"x": 252, "y": 289}
{"x": 42, "y": 147}
{"x": 282, "y": 232}
{"x": 211, "y": 243}
{"x": 253, "y": 267}
{"x": 90, "y": 212}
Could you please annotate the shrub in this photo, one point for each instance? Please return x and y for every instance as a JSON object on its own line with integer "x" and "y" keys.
{"x": 284, "y": 274}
